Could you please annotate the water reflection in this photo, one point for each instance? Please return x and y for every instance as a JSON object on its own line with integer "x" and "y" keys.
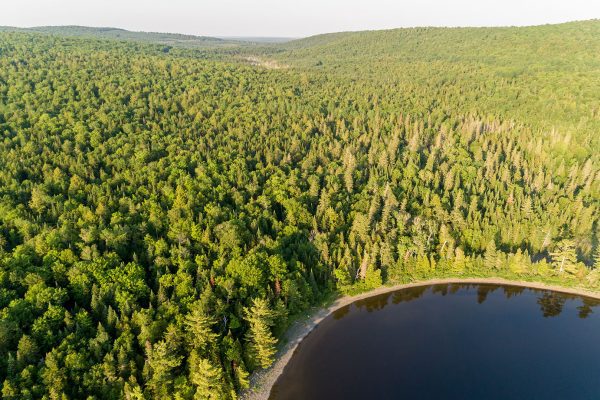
{"x": 551, "y": 303}
{"x": 512, "y": 291}
{"x": 454, "y": 342}
{"x": 483, "y": 291}
{"x": 408, "y": 295}
{"x": 585, "y": 309}
{"x": 341, "y": 312}
{"x": 373, "y": 303}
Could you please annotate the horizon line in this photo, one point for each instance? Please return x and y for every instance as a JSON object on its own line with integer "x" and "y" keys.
{"x": 218, "y": 36}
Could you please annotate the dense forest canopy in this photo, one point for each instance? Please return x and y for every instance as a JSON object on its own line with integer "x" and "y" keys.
{"x": 165, "y": 211}
{"x": 544, "y": 75}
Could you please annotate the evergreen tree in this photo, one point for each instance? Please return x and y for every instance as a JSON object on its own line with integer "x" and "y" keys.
{"x": 490, "y": 259}
{"x": 199, "y": 328}
{"x": 160, "y": 364}
{"x": 564, "y": 257}
{"x": 261, "y": 341}
{"x": 206, "y": 378}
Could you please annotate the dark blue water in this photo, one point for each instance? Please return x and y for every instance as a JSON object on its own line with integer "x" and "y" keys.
{"x": 453, "y": 341}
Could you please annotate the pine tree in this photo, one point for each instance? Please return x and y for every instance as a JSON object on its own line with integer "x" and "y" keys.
{"x": 373, "y": 279}
{"x": 490, "y": 258}
{"x": 160, "y": 364}
{"x": 242, "y": 377}
{"x": 206, "y": 377}
{"x": 593, "y": 278}
{"x": 460, "y": 261}
{"x": 526, "y": 207}
{"x": 564, "y": 257}
{"x": 132, "y": 390}
{"x": 198, "y": 327}
{"x": 27, "y": 350}
{"x": 349, "y": 166}
{"x": 261, "y": 342}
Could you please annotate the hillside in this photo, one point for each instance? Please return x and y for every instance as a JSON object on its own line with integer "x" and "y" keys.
{"x": 172, "y": 39}
{"x": 545, "y": 75}
{"x": 166, "y": 212}
{"x": 488, "y": 45}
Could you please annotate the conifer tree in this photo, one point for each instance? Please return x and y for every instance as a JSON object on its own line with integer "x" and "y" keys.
{"x": 206, "y": 378}
{"x": 198, "y": 327}
{"x": 260, "y": 339}
{"x": 160, "y": 363}
{"x": 490, "y": 258}
{"x": 564, "y": 257}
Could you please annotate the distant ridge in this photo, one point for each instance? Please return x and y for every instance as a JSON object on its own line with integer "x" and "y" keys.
{"x": 176, "y": 39}
{"x": 259, "y": 39}
{"x": 335, "y": 37}
{"x": 314, "y": 41}
{"x": 514, "y": 48}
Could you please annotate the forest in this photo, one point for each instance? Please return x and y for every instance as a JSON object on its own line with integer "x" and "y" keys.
{"x": 167, "y": 210}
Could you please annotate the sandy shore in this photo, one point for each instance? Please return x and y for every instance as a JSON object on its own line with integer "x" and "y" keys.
{"x": 262, "y": 381}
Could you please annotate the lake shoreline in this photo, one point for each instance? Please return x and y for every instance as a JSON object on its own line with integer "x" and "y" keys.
{"x": 262, "y": 381}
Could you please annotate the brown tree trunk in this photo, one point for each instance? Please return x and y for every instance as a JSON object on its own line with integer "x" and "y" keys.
{"x": 277, "y": 287}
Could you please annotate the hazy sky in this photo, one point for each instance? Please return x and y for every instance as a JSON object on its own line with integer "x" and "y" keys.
{"x": 290, "y": 18}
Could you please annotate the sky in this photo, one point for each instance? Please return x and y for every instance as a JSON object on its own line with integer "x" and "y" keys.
{"x": 287, "y": 18}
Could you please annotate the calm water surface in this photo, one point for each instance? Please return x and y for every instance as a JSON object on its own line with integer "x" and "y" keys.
{"x": 457, "y": 341}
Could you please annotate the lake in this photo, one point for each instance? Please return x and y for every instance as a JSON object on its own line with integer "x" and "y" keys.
{"x": 451, "y": 341}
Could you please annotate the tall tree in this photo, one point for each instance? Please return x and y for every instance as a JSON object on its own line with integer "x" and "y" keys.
{"x": 564, "y": 257}
{"x": 206, "y": 378}
{"x": 199, "y": 328}
{"x": 260, "y": 318}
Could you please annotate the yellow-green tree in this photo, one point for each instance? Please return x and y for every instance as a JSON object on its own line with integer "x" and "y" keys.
{"x": 261, "y": 342}
{"x": 564, "y": 257}
{"x": 206, "y": 377}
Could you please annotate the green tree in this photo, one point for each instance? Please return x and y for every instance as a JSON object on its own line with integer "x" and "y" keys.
{"x": 564, "y": 257}
{"x": 27, "y": 351}
{"x": 261, "y": 342}
{"x": 199, "y": 328}
{"x": 160, "y": 364}
{"x": 206, "y": 378}
{"x": 490, "y": 258}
